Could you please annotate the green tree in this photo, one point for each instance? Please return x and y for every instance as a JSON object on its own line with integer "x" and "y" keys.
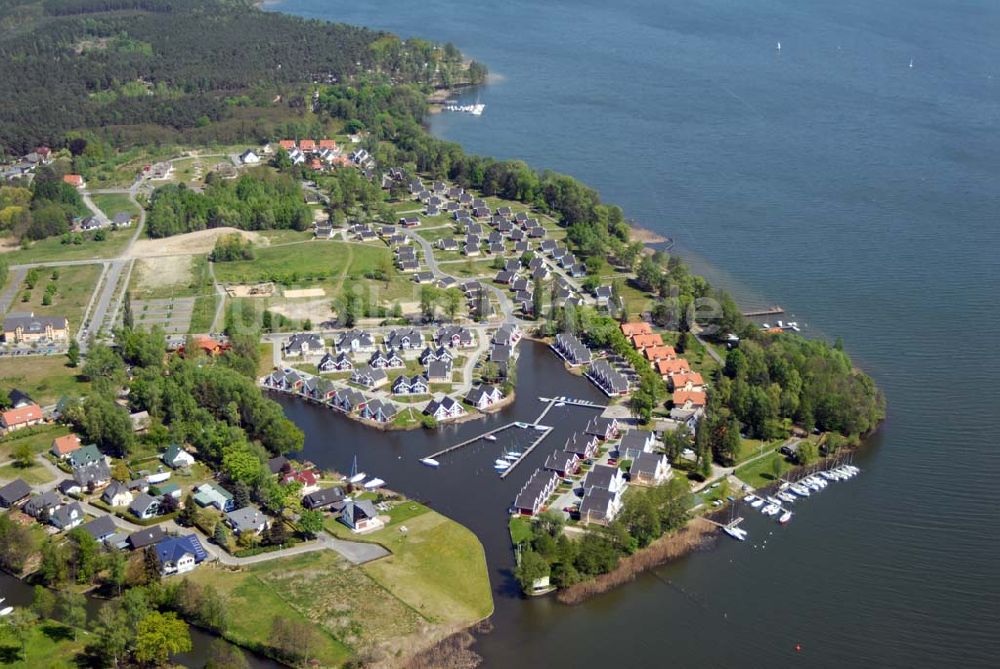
{"x": 224, "y": 655}
{"x": 73, "y": 353}
{"x": 23, "y": 456}
{"x": 537, "y": 298}
{"x": 21, "y": 624}
{"x": 113, "y": 633}
{"x": 532, "y": 567}
{"x": 311, "y": 522}
{"x": 160, "y": 635}
{"x": 44, "y": 602}
{"x": 221, "y": 535}
{"x": 72, "y": 610}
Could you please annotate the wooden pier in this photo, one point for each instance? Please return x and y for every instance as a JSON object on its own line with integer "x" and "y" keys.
{"x": 732, "y": 523}
{"x": 526, "y": 452}
{"x": 575, "y": 403}
{"x": 770, "y": 311}
{"x": 445, "y": 451}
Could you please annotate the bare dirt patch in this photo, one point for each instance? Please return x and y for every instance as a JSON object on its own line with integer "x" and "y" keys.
{"x": 305, "y": 292}
{"x": 314, "y": 310}
{"x": 250, "y": 290}
{"x": 191, "y": 243}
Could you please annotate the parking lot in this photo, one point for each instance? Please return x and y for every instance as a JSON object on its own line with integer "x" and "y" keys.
{"x": 172, "y": 314}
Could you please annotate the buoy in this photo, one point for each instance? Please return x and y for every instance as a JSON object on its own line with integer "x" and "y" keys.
{"x": 798, "y": 648}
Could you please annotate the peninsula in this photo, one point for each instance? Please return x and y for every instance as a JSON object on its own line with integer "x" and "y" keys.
{"x": 188, "y": 235}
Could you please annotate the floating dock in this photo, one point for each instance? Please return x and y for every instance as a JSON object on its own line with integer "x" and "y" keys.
{"x": 444, "y": 451}
{"x": 528, "y": 450}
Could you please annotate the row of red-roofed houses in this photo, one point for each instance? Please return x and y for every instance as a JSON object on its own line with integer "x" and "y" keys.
{"x": 687, "y": 387}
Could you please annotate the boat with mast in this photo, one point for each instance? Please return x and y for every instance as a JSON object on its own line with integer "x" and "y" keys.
{"x": 355, "y": 476}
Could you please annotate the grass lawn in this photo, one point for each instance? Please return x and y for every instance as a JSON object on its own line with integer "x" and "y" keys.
{"x": 114, "y": 203}
{"x": 761, "y": 472}
{"x": 36, "y": 474}
{"x": 520, "y": 529}
{"x": 346, "y": 605}
{"x": 437, "y": 233}
{"x": 45, "y": 378}
{"x": 323, "y": 261}
{"x": 39, "y": 438}
{"x": 50, "y": 644}
{"x": 74, "y": 288}
{"x": 266, "y": 363}
{"x": 438, "y": 566}
{"x": 53, "y": 249}
{"x": 203, "y": 313}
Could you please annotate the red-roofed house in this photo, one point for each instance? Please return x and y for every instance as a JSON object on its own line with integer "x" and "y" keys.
{"x": 654, "y": 353}
{"x": 63, "y": 446}
{"x": 307, "y": 145}
{"x": 287, "y": 144}
{"x": 630, "y": 329}
{"x": 15, "y": 419}
{"x": 670, "y": 367}
{"x": 208, "y": 345}
{"x": 328, "y": 144}
{"x": 689, "y": 381}
{"x": 688, "y": 399}
{"x": 315, "y": 164}
{"x": 641, "y": 341}
{"x": 74, "y": 180}
{"x": 307, "y": 477}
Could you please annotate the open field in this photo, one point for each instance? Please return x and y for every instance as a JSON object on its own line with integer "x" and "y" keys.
{"x": 437, "y": 566}
{"x": 45, "y": 378}
{"x": 350, "y": 609}
{"x": 113, "y": 203}
{"x": 74, "y": 288}
{"x": 761, "y": 472}
{"x": 52, "y": 249}
{"x": 38, "y": 438}
{"x": 36, "y": 474}
{"x": 190, "y": 243}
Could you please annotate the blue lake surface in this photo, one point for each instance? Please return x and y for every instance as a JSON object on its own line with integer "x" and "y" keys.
{"x": 835, "y": 179}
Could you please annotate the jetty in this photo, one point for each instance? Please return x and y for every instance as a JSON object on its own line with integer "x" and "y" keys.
{"x": 478, "y": 437}
{"x": 528, "y": 450}
{"x": 770, "y": 311}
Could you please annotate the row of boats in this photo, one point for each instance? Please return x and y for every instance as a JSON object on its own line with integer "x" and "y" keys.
{"x": 358, "y": 478}
{"x": 475, "y": 109}
{"x": 504, "y": 462}
{"x": 788, "y": 493}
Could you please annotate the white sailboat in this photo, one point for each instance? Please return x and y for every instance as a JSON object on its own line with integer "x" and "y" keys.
{"x": 356, "y": 476}
{"x": 374, "y": 483}
{"x": 779, "y": 46}
{"x": 430, "y": 462}
{"x": 735, "y": 532}
{"x": 490, "y": 437}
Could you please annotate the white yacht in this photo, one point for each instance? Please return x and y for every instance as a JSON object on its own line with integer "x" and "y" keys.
{"x": 735, "y": 533}
{"x": 430, "y": 462}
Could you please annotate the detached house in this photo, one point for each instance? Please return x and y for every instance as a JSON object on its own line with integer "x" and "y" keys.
{"x": 67, "y": 517}
{"x": 361, "y": 516}
{"x": 249, "y": 519}
{"x": 386, "y": 360}
{"x": 369, "y": 377}
{"x": 455, "y": 337}
{"x": 19, "y": 418}
{"x": 63, "y": 446}
{"x": 210, "y": 494}
{"x": 144, "y": 506}
{"x": 324, "y": 498}
{"x": 14, "y": 492}
{"x": 179, "y": 555}
{"x": 177, "y": 457}
{"x": 356, "y": 341}
{"x": 117, "y": 494}
{"x": 379, "y": 411}
{"x": 415, "y": 385}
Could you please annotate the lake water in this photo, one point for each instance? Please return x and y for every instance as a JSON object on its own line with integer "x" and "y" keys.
{"x": 833, "y": 178}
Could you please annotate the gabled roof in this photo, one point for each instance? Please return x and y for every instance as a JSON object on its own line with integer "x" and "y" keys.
{"x": 146, "y": 537}
{"x": 172, "y": 549}
{"x": 85, "y": 456}
{"x": 66, "y": 444}
{"x": 14, "y": 492}
{"x": 101, "y": 527}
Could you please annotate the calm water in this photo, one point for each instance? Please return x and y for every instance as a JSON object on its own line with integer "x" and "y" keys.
{"x": 834, "y": 179}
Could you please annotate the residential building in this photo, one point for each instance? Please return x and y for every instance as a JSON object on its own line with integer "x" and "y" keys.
{"x": 42, "y": 505}
{"x": 687, "y": 381}
{"x": 608, "y": 379}
{"x": 117, "y": 494}
{"x": 654, "y": 353}
{"x": 86, "y": 455}
{"x": 535, "y": 492}
{"x": 356, "y": 341}
{"x": 148, "y": 536}
{"x": 144, "y": 506}
{"x": 689, "y": 399}
{"x": 584, "y": 446}
{"x": 439, "y": 371}
{"x": 603, "y": 476}
{"x": 484, "y": 396}
{"x": 101, "y": 528}
{"x": 650, "y": 469}
{"x": 249, "y": 519}
{"x": 369, "y": 377}
{"x": 361, "y": 516}
{"x": 572, "y": 350}
{"x": 379, "y": 411}
{"x": 641, "y": 441}
{"x": 210, "y": 494}
{"x": 92, "y": 476}
{"x": 563, "y": 463}
{"x": 63, "y": 446}
{"x": 445, "y": 409}
{"x": 600, "y": 506}
{"x": 177, "y": 457}
{"x": 641, "y": 341}
{"x": 14, "y": 492}
{"x": 179, "y": 555}
{"x": 602, "y": 428}
{"x": 386, "y": 360}
{"x": 636, "y": 328}
{"x": 339, "y": 363}
{"x": 303, "y": 344}
{"x": 668, "y": 367}
{"x": 67, "y": 516}
{"x": 321, "y": 499}
{"x": 18, "y": 419}
{"x": 410, "y": 385}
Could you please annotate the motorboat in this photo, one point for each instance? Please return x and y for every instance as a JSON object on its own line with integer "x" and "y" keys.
{"x": 501, "y": 463}
{"x": 560, "y": 404}
{"x": 735, "y": 533}
{"x": 357, "y": 478}
{"x": 521, "y": 425}
{"x": 785, "y": 517}
{"x": 757, "y": 503}
{"x": 6, "y": 611}
{"x": 490, "y": 437}
{"x": 786, "y": 497}
{"x": 541, "y": 428}
{"x": 771, "y": 510}
{"x": 374, "y": 483}
{"x": 749, "y": 498}
{"x": 430, "y": 462}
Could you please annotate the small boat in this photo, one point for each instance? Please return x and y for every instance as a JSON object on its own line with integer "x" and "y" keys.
{"x": 757, "y": 503}
{"x": 516, "y": 454}
{"x": 510, "y": 457}
{"x": 500, "y": 462}
{"x": 490, "y": 437}
{"x": 430, "y": 462}
{"x": 799, "y": 490}
{"x": 541, "y": 428}
{"x": 829, "y": 475}
{"x": 785, "y": 517}
{"x": 771, "y": 510}
{"x": 779, "y": 46}
{"x": 786, "y": 497}
{"x": 749, "y": 498}
{"x": 560, "y": 404}
{"x": 6, "y": 611}
{"x": 374, "y": 483}
{"x": 501, "y": 467}
{"x": 735, "y": 533}
{"x": 521, "y": 425}
{"x": 357, "y": 478}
